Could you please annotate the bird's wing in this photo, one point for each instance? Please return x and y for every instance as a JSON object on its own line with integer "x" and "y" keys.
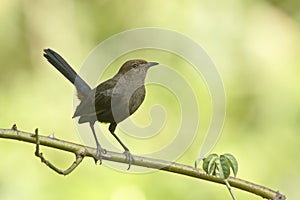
{"x": 98, "y": 101}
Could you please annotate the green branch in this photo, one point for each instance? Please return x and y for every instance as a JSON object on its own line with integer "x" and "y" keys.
{"x": 82, "y": 151}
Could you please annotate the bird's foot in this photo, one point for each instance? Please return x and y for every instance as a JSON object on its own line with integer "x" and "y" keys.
{"x": 98, "y": 156}
{"x": 129, "y": 158}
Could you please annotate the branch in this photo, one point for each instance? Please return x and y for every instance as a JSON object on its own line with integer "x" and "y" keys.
{"x": 82, "y": 151}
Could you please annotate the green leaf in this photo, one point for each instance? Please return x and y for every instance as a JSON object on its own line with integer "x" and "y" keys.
{"x": 224, "y": 167}
{"x": 208, "y": 163}
{"x": 212, "y": 165}
{"x": 205, "y": 166}
{"x": 232, "y": 162}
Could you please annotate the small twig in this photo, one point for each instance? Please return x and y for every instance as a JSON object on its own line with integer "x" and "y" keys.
{"x": 141, "y": 161}
{"x": 79, "y": 158}
{"x": 230, "y": 190}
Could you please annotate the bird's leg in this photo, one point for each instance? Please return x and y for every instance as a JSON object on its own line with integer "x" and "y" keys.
{"x": 99, "y": 148}
{"x": 129, "y": 158}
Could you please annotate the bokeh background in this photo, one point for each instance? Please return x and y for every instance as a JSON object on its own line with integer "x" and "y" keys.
{"x": 255, "y": 44}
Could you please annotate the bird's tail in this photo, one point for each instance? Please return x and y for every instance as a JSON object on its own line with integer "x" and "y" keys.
{"x": 63, "y": 67}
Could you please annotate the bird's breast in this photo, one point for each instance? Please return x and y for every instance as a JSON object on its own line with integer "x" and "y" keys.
{"x": 125, "y": 104}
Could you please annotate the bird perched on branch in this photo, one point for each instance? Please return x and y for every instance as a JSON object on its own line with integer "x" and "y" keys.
{"x": 111, "y": 101}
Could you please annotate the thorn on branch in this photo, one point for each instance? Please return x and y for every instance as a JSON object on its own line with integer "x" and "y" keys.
{"x": 52, "y": 136}
{"x": 279, "y": 196}
{"x": 14, "y": 127}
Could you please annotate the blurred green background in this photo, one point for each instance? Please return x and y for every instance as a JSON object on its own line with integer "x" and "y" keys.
{"x": 255, "y": 44}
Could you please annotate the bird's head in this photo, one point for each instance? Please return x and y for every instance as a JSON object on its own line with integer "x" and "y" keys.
{"x": 138, "y": 67}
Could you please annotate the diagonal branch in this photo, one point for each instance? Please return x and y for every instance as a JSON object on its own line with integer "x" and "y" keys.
{"x": 138, "y": 160}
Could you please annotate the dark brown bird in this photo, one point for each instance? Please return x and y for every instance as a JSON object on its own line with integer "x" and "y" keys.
{"x": 112, "y": 101}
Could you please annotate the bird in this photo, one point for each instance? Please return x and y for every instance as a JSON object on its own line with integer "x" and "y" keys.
{"x": 112, "y": 101}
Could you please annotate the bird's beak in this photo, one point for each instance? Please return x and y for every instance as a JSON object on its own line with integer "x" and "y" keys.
{"x": 150, "y": 64}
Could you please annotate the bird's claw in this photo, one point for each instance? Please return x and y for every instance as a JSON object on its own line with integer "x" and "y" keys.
{"x": 129, "y": 158}
{"x": 98, "y": 156}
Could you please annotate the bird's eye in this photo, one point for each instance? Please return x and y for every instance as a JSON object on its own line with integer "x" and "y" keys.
{"x": 134, "y": 65}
